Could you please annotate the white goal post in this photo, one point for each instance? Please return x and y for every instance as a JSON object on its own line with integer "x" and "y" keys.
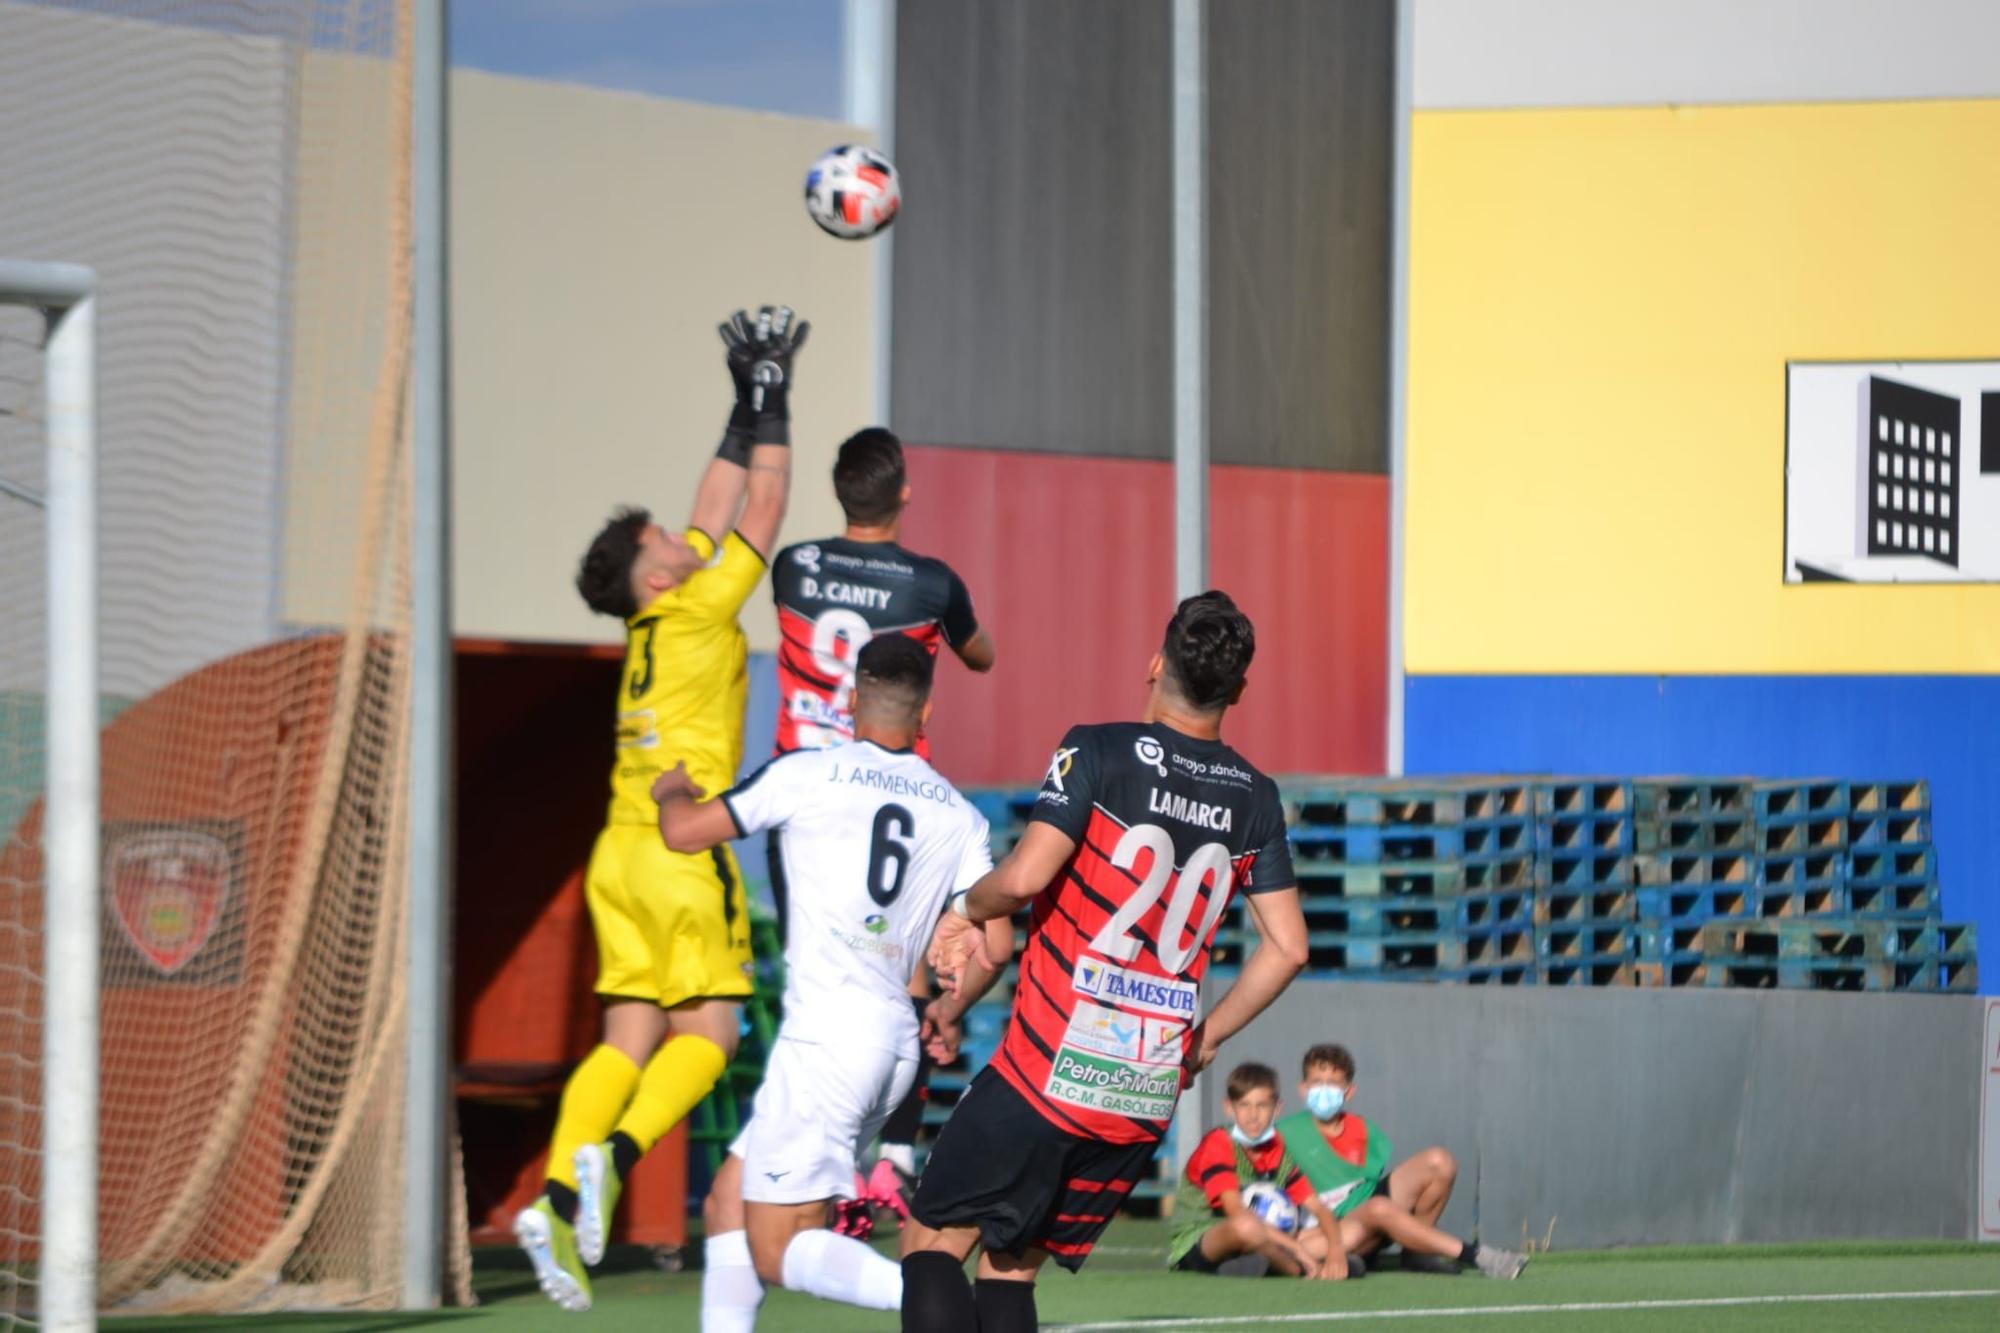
{"x": 65, "y": 293}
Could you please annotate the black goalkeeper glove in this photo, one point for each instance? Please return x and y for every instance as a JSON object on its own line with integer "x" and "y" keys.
{"x": 777, "y": 339}
{"x": 740, "y": 353}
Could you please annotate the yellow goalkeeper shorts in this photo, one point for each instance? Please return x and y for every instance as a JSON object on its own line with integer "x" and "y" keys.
{"x": 670, "y": 927}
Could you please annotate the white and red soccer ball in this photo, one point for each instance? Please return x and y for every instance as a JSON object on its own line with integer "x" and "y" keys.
{"x": 853, "y": 192}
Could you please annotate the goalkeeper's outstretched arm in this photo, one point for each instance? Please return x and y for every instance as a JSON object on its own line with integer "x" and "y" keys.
{"x": 764, "y": 507}
{"x": 747, "y": 484}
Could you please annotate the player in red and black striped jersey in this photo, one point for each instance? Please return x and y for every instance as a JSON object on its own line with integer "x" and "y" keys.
{"x": 833, "y": 597}
{"x": 1140, "y": 836}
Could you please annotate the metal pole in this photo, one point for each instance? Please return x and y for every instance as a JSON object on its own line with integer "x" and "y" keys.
{"x": 430, "y": 812}
{"x": 1399, "y": 365}
{"x": 869, "y": 50}
{"x": 1190, "y": 302}
{"x": 1190, "y": 364}
{"x": 70, "y": 829}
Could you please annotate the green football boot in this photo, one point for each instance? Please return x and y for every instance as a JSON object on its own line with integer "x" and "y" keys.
{"x": 550, "y": 1244}
{"x": 597, "y": 1190}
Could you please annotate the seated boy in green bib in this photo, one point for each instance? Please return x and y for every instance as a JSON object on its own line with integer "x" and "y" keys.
{"x": 1218, "y": 1230}
{"x": 1346, "y": 1164}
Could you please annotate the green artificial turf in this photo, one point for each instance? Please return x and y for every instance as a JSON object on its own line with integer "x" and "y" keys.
{"x": 1125, "y": 1283}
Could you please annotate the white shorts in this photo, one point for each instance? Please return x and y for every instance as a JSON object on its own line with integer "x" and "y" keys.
{"x": 816, "y": 1108}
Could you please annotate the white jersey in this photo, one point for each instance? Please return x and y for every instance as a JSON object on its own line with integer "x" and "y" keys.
{"x": 874, "y": 844}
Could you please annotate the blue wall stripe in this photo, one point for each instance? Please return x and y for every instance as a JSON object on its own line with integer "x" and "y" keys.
{"x": 1942, "y": 728}
{"x": 760, "y": 733}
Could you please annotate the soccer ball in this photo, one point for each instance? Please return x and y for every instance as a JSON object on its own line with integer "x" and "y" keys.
{"x": 1270, "y": 1206}
{"x": 853, "y": 192}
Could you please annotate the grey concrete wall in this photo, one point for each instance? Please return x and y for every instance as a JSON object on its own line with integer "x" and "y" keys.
{"x": 1300, "y": 137}
{"x": 1652, "y": 1117}
{"x": 1479, "y": 53}
{"x": 1033, "y": 289}
{"x": 1033, "y": 294}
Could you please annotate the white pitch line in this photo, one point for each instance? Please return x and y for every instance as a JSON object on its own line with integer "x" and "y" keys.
{"x": 1461, "y": 1311}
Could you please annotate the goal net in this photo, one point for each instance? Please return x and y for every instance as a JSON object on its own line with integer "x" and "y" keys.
{"x": 237, "y": 173}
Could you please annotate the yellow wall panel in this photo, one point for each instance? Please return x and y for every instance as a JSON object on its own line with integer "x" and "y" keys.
{"x": 1602, "y": 305}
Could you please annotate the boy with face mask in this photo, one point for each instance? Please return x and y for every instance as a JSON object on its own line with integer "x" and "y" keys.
{"x": 1215, "y": 1231}
{"x": 1346, "y": 1161}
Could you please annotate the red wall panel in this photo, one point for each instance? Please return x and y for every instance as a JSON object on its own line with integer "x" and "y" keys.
{"x": 1070, "y": 563}
{"x": 1306, "y": 555}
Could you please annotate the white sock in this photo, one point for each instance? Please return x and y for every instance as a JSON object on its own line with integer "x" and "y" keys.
{"x": 840, "y": 1268}
{"x": 902, "y": 1155}
{"x": 730, "y": 1291}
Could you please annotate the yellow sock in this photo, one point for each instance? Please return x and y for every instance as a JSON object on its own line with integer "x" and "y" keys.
{"x": 679, "y": 1075}
{"x": 591, "y": 1102}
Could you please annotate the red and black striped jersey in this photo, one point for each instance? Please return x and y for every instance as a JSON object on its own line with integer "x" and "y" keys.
{"x": 1212, "y": 1168}
{"x": 1167, "y": 828}
{"x": 833, "y": 597}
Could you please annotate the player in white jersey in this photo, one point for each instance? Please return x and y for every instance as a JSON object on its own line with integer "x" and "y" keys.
{"x": 875, "y": 844}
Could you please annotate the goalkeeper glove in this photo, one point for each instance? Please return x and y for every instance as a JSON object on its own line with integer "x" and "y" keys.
{"x": 777, "y": 339}
{"x": 740, "y": 355}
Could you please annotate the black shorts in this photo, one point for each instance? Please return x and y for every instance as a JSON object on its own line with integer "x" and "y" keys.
{"x": 998, "y": 1165}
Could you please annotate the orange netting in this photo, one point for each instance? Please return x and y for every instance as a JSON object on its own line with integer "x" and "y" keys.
{"x": 238, "y": 172}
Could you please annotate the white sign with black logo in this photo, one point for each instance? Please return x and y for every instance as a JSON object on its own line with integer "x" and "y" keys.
{"x": 1892, "y": 472}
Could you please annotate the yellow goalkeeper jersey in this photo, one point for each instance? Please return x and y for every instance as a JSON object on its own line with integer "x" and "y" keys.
{"x": 684, "y": 687}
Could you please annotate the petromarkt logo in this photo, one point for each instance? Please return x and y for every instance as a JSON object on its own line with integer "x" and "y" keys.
{"x": 875, "y": 923}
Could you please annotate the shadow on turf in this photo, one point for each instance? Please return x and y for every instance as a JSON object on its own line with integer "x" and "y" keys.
{"x": 501, "y": 1273}
{"x": 498, "y": 1274}
{"x": 326, "y": 1319}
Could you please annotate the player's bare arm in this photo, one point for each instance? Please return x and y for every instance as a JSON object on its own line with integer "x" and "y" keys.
{"x": 977, "y": 651}
{"x": 764, "y": 509}
{"x": 1287, "y": 1254}
{"x": 720, "y": 494}
{"x": 688, "y": 823}
{"x": 941, "y": 1024}
{"x": 1329, "y": 1254}
{"x": 1023, "y": 873}
{"x": 1320, "y": 1213}
{"x": 1278, "y": 957}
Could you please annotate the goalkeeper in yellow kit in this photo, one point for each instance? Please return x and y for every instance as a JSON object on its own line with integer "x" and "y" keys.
{"x": 673, "y": 930}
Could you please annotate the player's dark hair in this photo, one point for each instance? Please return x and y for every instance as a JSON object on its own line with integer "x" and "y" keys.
{"x": 1330, "y": 1054}
{"x": 1208, "y": 649}
{"x": 1249, "y": 1076}
{"x": 868, "y": 476}
{"x": 605, "y": 576}
{"x": 893, "y": 669}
